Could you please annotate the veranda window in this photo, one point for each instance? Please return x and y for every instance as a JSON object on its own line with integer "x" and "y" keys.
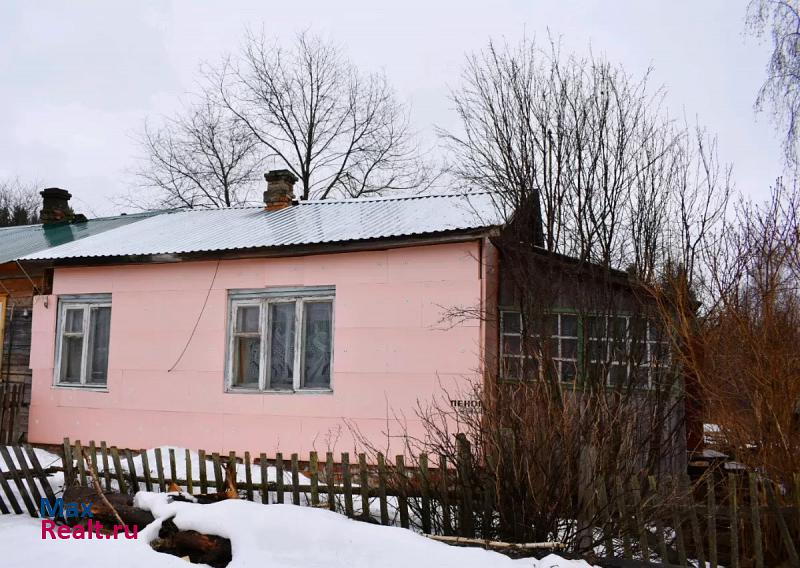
{"x": 84, "y": 330}
{"x": 281, "y": 340}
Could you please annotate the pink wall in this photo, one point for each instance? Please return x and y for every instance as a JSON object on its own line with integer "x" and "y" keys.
{"x": 389, "y": 351}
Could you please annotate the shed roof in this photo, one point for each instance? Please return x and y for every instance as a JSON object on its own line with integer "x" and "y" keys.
{"x": 306, "y": 223}
{"x": 18, "y": 241}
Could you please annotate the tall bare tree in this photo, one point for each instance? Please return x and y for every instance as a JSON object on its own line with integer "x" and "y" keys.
{"x": 780, "y": 94}
{"x": 205, "y": 156}
{"x": 589, "y": 154}
{"x": 341, "y": 132}
{"x": 19, "y": 203}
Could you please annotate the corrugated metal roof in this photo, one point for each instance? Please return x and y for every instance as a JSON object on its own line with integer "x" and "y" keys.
{"x": 309, "y": 222}
{"x": 16, "y": 242}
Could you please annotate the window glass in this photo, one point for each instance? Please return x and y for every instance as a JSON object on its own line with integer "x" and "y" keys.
{"x": 71, "y": 353}
{"x": 317, "y": 345}
{"x": 282, "y": 340}
{"x": 247, "y": 319}
{"x": 247, "y": 361}
{"x": 100, "y": 331}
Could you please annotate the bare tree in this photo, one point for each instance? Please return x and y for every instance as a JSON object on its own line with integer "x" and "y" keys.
{"x": 780, "y": 94}
{"x": 588, "y": 154}
{"x": 202, "y": 157}
{"x": 341, "y": 132}
{"x": 19, "y": 203}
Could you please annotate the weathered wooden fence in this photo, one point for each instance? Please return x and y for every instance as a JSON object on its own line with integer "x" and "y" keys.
{"x": 12, "y": 398}
{"x": 736, "y": 519}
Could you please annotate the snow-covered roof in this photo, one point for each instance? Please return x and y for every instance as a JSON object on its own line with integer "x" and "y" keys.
{"x": 306, "y": 223}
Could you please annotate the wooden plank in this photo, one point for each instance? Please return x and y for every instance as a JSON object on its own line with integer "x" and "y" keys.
{"x": 313, "y": 471}
{"x": 797, "y": 502}
{"x": 733, "y": 510}
{"x": 123, "y": 488}
{"x": 425, "y": 487}
{"x": 278, "y": 476}
{"x": 248, "y": 477}
{"x": 232, "y": 460}
{"x": 12, "y": 500}
{"x": 447, "y": 526}
{"x": 201, "y": 466}
{"x": 466, "y": 507}
{"x": 636, "y": 491}
{"x": 755, "y": 520}
{"x": 12, "y": 471}
{"x": 27, "y": 475}
{"x": 4, "y": 510}
{"x": 189, "y": 473}
{"x": 81, "y": 462}
{"x": 402, "y": 493}
{"x": 711, "y": 521}
{"x": 363, "y": 481}
{"x": 106, "y": 466}
{"x": 37, "y": 468}
{"x": 604, "y": 509}
{"x": 173, "y": 472}
{"x": 661, "y": 542}
{"x": 162, "y": 485}
{"x": 694, "y": 523}
{"x": 295, "y": 480}
{"x": 624, "y": 518}
{"x": 786, "y": 536}
{"x": 148, "y": 480}
{"x": 68, "y": 471}
{"x": 218, "y": 481}
{"x": 93, "y": 459}
{"x": 347, "y": 485}
{"x": 382, "y": 490}
{"x": 329, "y": 481}
{"x": 265, "y": 479}
{"x": 132, "y": 471}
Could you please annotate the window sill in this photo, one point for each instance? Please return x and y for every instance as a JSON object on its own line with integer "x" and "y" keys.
{"x": 240, "y": 390}
{"x": 91, "y": 388}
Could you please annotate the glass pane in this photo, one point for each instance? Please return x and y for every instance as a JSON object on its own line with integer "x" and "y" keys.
{"x": 596, "y": 326}
{"x": 568, "y": 371}
{"x": 247, "y": 319}
{"x": 281, "y": 356}
{"x": 512, "y": 345}
{"x": 618, "y": 327}
{"x": 511, "y": 322}
{"x": 71, "y": 351}
{"x": 246, "y": 361}
{"x": 569, "y": 349}
{"x": 317, "y": 344}
{"x": 74, "y": 320}
{"x": 569, "y": 325}
{"x": 512, "y": 368}
{"x": 99, "y": 332}
{"x": 551, "y": 325}
{"x": 618, "y": 375}
{"x": 596, "y": 350}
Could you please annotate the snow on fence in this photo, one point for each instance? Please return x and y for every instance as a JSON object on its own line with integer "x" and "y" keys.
{"x": 741, "y": 519}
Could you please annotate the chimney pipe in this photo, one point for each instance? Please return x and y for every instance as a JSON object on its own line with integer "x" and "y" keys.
{"x": 280, "y": 189}
{"x": 55, "y": 205}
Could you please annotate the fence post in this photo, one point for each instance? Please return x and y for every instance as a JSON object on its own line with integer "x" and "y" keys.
{"x": 248, "y": 477}
{"x": 733, "y": 508}
{"x": 330, "y": 482}
{"x": 426, "y": 493}
{"x": 382, "y": 490}
{"x": 363, "y": 481}
{"x": 68, "y": 471}
{"x": 466, "y": 507}
{"x": 782, "y": 526}
{"x": 755, "y": 519}
{"x": 313, "y": 470}
{"x": 711, "y": 518}
{"x": 402, "y": 493}
{"x": 348, "y": 485}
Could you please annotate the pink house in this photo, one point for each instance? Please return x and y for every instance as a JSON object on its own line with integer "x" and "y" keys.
{"x": 278, "y": 328}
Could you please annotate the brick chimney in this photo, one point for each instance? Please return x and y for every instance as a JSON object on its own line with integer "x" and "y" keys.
{"x": 280, "y": 189}
{"x": 55, "y": 205}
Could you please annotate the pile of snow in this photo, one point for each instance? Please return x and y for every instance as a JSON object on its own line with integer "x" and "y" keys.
{"x": 279, "y": 536}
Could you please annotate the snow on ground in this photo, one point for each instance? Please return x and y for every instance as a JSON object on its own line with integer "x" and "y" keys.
{"x": 46, "y": 459}
{"x": 279, "y": 536}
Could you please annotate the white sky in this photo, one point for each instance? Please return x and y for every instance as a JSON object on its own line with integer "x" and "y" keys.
{"x": 77, "y": 79}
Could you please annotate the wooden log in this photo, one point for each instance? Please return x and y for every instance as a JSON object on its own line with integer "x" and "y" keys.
{"x": 201, "y": 548}
{"x": 106, "y": 508}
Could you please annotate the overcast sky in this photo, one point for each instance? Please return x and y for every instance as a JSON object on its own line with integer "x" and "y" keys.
{"x": 79, "y": 78}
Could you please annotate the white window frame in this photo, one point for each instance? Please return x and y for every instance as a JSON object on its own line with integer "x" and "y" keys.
{"x": 86, "y": 303}
{"x": 264, "y": 298}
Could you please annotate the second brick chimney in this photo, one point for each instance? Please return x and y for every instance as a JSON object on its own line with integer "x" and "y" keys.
{"x": 280, "y": 189}
{"x": 55, "y": 205}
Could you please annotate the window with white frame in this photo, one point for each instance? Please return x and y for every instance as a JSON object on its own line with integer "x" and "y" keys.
{"x": 281, "y": 339}
{"x": 84, "y": 330}
{"x": 562, "y": 347}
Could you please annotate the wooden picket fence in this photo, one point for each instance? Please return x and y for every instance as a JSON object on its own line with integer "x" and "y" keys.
{"x": 11, "y": 401}
{"x": 736, "y": 519}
